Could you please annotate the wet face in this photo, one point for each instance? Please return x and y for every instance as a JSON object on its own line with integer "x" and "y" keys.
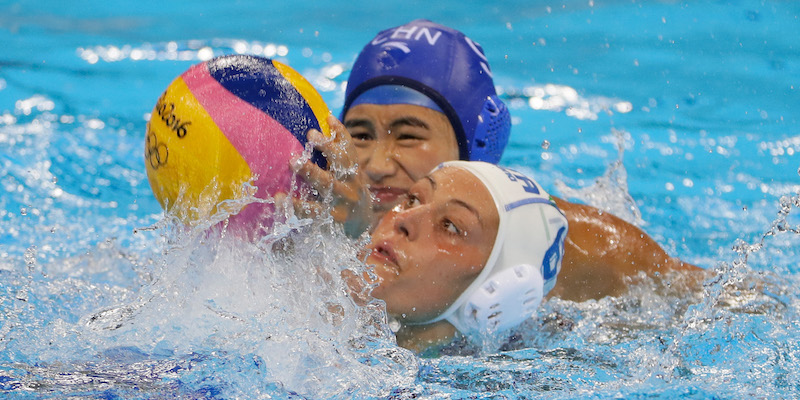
{"x": 397, "y": 145}
{"x": 429, "y": 249}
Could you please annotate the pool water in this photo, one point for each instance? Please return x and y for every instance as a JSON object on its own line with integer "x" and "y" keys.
{"x": 679, "y": 116}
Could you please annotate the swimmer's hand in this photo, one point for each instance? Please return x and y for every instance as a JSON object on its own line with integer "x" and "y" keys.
{"x": 342, "y": 181}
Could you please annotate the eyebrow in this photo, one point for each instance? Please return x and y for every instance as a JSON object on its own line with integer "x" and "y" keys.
{"x": 408, "y": 121}
{"x": 365, "y": 123}
{"x": 399, "y": 122}
{"x": 459, "y": 202}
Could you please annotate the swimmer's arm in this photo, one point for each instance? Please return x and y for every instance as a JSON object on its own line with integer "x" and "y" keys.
{"x": 352, "y": 202}
{"x": 601, "y": 249}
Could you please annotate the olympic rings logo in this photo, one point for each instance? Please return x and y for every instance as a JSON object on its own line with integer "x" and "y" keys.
{"x": 156, "y": 153}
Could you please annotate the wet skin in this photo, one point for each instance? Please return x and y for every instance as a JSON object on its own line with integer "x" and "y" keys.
{"x": 397, "y": 145}
{"x": 429, "y": 249}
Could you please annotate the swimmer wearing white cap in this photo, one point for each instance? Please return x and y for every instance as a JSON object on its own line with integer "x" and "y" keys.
{"x": 473, "y": 249}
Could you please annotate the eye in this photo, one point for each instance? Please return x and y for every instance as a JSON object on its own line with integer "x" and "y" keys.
{"x": 408, "y": 136}
{"x": 360, "y": 131}
{"x": 451, "y": 227}
{"x": 412, "y": 201}
{"x": 361, "y": 136}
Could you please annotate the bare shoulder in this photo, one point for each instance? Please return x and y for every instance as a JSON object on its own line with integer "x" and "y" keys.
{"x": 601, "y": 249}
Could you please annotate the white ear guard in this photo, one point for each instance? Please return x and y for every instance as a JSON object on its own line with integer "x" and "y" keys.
{"x": 506, "y": 296}
{"x": 525, "y": 259}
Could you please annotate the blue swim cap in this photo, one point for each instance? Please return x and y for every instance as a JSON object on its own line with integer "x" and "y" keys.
{"x": 447, "y": 67}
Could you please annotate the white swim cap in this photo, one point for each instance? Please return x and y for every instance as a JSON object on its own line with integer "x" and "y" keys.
{"x": 525, "y": 259}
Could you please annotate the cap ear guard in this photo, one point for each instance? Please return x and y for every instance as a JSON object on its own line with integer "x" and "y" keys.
{"x": 512, "y": 295}
{"x": 506, "y": 299}
{"x": 491, "y": 132}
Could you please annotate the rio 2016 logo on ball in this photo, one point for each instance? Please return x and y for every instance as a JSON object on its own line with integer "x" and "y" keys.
{"x": 224, "y": 122}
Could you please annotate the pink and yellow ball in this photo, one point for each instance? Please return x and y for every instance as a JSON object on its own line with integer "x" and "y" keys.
{"x": 225, "y": 122}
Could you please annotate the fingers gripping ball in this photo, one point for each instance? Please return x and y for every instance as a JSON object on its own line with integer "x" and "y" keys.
{"x": 224, "y": 122}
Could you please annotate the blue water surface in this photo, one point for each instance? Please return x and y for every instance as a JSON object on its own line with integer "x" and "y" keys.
{"x": 679, "y": 116}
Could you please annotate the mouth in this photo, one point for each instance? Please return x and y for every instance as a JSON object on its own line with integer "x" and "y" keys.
{"x": 387, "y": 194}
{"x": 385, "y": 255}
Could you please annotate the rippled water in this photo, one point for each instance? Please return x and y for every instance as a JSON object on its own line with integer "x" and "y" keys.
{"x": 678, "y": 116}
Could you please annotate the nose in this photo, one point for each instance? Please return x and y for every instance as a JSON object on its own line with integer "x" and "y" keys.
{"x": 408, "y": 222}
{"x": 381, "y": 162}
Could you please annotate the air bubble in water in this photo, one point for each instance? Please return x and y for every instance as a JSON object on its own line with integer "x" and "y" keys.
{"x": 23, "y": 211}
{"x": 545, "y": 144}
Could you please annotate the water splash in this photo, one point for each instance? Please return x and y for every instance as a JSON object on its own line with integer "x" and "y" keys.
{"x": 213, "y": 312}
{"x": 742, "y": 315}
{"x": 610, "y": 191}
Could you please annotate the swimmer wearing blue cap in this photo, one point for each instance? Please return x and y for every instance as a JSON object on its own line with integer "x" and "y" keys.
{"x": 422, "y": 94}
{"x": 418, "y": 95}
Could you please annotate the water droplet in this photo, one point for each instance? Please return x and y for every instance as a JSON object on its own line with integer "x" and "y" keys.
{"x": 394, "y": 325}
{"x": 786, "y": 205}
{"x": 545, "y": 144}
{"x": 30, "y": 258}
